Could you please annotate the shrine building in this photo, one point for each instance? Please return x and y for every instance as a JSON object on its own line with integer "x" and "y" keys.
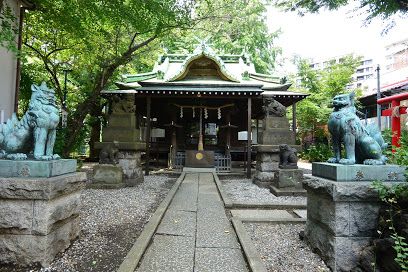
{"x": 202, "y": 102}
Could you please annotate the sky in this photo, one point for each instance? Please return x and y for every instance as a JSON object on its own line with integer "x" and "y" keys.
{"x": 331, "y": 33}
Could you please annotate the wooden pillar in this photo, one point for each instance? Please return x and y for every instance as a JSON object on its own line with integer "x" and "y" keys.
{"x": 249, "y": 139}
{"x": 257, "y": 130}
{"x": 173, "y": 152}
{"x": 294, "y": 117}
{"x": 148, "y": 117}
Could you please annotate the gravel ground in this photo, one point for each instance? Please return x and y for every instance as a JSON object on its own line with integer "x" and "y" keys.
{"x": 281, "y": 250}
{"x": 111, "y": 221}
{"x": 242, "y": 190}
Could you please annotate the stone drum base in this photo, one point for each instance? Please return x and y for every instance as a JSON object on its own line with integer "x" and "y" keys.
{"x": 39, "y": 217}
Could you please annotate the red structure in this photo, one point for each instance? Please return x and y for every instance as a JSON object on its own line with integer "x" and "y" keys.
{"x": 395, "y": 112}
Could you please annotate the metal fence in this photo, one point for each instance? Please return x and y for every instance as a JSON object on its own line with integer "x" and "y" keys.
{"x": 222, "y": 162}
{"x": 180, "y": 160}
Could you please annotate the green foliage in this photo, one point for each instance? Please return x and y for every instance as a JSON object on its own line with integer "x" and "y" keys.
{"x": 322, "y": 85}
{"x": 63, "y": 135}
{"x": 392, "y": 196}
{"x": 8, "y": 27}
{"x": 400, "y": 156}
{"x": 233, "y": 27}
{"x": 383, "y": 9}
{"x": 95, "y": 40}
{"x": 401, "y": 247}
{"x": 317, "y": 153}
{"x": 100, "y": 40}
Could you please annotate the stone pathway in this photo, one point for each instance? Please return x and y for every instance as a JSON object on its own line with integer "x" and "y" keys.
{"x": 195, "y": 233}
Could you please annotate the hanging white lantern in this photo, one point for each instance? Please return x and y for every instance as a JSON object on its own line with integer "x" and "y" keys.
{"x": 181, "y": 112}
{"x": 219, "y": 113}
{"x": 205, "y": 113}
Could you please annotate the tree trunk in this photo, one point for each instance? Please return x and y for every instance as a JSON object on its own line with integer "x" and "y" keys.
{"x": 94, "y": 137}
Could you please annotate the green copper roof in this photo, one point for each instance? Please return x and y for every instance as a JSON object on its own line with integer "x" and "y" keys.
{"x": 203, "y": 50}
{"x": 203, "y": 67}
{"x": 139, "y": 77}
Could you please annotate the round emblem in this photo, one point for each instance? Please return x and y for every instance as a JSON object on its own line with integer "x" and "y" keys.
{"x": 338, "y": 116}
{"x": 199, "y": 156}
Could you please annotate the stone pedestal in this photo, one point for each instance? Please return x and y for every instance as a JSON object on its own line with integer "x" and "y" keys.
{"x": 107, "y": 176}
{"x": 342, "y": 217}
{"x": 275, "y": 132}
{"x": 131, "y": 164}
{"x": 39, "y": 216}
{"x": 288, "y": 182}
{"x": 122, "y": 130}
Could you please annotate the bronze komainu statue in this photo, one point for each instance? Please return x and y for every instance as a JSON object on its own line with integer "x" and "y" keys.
{"x": 35, "y": 132}
{"x": 362, "y": 144}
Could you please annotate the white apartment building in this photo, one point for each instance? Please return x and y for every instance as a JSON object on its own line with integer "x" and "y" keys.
{"x": 363, "y": 76}
{"x": 396, "y": 63}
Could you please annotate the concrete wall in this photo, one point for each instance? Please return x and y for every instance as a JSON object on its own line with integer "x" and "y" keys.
{"x": 8, "y": 66}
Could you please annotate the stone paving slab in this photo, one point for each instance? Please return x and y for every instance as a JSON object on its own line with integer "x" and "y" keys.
{"x": 186, "y": 198}
{"x": 213, "y": 226}
{"x": 301, "y": 213}
{"x": 195, "y": 233}
{"x": 248, "y": 214}
{"x": 219, "y": 259}
{"x": 169, "y": 253}
{"x": 215, "y": 232}
{"x": 178, "y": 223}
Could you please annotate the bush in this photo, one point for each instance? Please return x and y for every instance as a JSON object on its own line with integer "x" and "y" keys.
{"x": 317, "y": 153}
{"x": 400, "y": 156}
{"x": 393, "y": 223}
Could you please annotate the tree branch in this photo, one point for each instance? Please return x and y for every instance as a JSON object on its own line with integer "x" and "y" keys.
{"x": 51, "y": 70}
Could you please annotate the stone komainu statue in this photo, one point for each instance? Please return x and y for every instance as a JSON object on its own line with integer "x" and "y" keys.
{"x": 287, "y": 157}
{"x": 109, "y": 154}
{"x": 35, "y": 132}
{"x": 272, "y": 107}
{"x": 362, "y": 144}
{"x": 125, "y": 104}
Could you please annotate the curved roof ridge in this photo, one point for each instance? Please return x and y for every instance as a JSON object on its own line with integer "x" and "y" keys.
{"x": 202, "y": 50}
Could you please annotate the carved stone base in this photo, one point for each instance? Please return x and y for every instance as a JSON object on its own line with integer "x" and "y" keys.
{"x": 358, "y": 172}
{"x": 32, "y": 168}
{"x": 39, "y": 217}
